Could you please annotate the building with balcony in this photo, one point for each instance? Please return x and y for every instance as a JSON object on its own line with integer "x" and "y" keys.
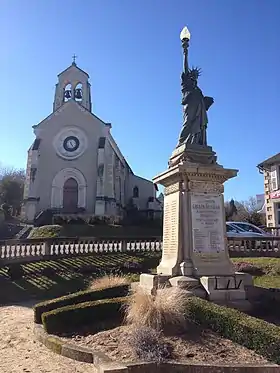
{"x": 270, "y": 168}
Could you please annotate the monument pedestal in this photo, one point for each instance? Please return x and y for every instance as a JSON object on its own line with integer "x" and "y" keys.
{"x": 194, "y": 229}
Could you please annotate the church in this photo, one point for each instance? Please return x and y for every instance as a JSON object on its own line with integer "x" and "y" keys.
{"x": 74, "y": 166}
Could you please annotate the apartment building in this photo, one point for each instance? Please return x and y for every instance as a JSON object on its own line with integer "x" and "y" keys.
{"x": 270, "y": 168}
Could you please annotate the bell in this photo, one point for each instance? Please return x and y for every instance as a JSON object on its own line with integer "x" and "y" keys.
{"x": 67, "y": 93}
{"x": 78, "y": 93}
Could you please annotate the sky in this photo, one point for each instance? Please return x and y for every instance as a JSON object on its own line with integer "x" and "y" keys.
{"x": 132, "y": 52}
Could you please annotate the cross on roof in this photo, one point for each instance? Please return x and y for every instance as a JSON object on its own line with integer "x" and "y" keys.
{"x": 74, "y": 58}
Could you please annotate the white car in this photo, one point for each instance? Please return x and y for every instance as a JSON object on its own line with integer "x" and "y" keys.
{"x": 250, "y": 230}
{"x": 234, "y": 231}
{"x": 248, "y": 227}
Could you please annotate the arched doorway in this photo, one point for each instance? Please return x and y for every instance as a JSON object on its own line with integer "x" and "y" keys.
{"x": 70, "y": 195}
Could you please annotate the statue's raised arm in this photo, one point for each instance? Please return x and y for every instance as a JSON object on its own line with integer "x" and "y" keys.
{"x": 195, "y": 105}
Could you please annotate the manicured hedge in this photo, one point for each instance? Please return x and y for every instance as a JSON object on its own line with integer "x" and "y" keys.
{"x": 71, "y": 318}
{"x": 79, "y": 297}
{"x": 253, "y": 333}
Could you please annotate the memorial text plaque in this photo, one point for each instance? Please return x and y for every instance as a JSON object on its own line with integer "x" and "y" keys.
{"x": 207, "y": 223}
{"x": 171, "y": 225}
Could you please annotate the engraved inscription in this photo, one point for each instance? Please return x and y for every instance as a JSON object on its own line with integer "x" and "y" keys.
{"x": 207, "y": 223}
{"x": 171, "y": 225}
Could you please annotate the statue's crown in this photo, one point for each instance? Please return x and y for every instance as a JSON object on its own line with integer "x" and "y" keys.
{"x": 194, "y": 73}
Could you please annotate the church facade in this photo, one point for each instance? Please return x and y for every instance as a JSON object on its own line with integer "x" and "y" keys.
{"x": 74, "y": 165}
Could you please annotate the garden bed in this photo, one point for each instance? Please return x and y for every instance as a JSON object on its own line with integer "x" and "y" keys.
{"x": 195, "y": 346}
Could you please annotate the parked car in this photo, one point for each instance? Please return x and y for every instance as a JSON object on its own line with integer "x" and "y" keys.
{"x": 235, "y": 231}
{"x": 250, "y": 230}
{"x": 248, "y": 227}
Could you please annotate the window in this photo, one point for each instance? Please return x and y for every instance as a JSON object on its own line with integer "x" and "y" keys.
{"x": 135, "y": 192}
{"x": 269, "y": 209}
{"x": 270, "y": 224}
{"x": 269, "y": 217}
{"x": 67, "y": 92}
{"x": 274, "y": 181}
{"x": 101, "y": 144}
{"x": 78, "y": 92}
{"x": 268, "y": 200}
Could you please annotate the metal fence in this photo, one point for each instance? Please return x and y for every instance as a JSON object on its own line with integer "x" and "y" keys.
{"x": 38, "y": 249}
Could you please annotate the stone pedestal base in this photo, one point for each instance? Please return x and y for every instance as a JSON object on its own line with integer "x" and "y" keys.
{"x": 192, "y": 153}
{"x": 226, "y": 288}
{"x": 151, "y": 283}
{"x": 223, "y": 290}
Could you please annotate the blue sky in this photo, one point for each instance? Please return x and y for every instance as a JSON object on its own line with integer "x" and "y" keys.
{"x": 132, "y": 52}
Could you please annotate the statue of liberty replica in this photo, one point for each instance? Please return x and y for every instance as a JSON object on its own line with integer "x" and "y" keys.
{"x": 195, "y": 106}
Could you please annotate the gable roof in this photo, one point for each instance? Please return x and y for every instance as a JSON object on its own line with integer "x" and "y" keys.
{"x": 63, "y": 106}
{"x": 75, "y": 65}
{"x": 269, "y": 162}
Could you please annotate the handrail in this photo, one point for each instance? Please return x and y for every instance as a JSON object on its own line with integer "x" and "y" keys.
{"x": 37, "y": 249}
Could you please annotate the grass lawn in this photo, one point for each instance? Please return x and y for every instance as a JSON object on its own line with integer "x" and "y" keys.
{"x": 75, "y": 273}
{"x": 271, "y": 267}
{"x": 69, "y": 274}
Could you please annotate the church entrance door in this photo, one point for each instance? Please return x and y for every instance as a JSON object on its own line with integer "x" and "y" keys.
{"x": 70, "y": 196}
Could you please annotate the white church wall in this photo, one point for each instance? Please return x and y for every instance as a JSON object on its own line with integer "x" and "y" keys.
{"x": 146, "y": 189}
{"x": 50, "y": 163}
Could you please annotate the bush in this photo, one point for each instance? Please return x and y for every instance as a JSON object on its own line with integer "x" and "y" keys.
{"x": 164, "y": 311}
{"x": 148, "y": 345}
{"x": 46, "y": 231}
{"x": 253, "y": 333}
{"x": 249, "y": 268}
{"x": 71, "y": 318}
{"x": 109, "y": 281}
{"x": 76, "y": 298}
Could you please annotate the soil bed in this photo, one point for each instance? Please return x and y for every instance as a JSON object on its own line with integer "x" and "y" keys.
{"x": 194, "y": 346}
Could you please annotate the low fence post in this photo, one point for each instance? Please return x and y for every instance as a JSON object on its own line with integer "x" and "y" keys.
{"x": 47, "y": 244}
{"x": 123, "y": 246}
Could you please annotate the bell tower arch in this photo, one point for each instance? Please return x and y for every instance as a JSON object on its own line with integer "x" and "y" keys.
{"x": 73, "y": 84}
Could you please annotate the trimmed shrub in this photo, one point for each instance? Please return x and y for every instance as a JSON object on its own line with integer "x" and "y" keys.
{"x": 46, "y": 231}
{"x": 71, "y": 318}
{"x": 253, "y": 333}
{"x": 79, "y": 297}
{"x": 148, "y": 345}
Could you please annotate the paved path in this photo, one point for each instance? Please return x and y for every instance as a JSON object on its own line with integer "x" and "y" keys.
{"x": 21, "y": 353}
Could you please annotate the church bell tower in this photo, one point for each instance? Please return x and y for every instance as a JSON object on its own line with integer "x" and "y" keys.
{"x": 73, "y": 84}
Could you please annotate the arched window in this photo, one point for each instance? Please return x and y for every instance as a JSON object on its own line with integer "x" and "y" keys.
{"x": 78, "y": 92}
{"x": 136, "y": 192}
{"x": 67, "y": 92}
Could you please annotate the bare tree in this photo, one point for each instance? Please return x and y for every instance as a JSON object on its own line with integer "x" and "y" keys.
{"x": 11, "y": 188}
{"x": 246, "y": 211}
